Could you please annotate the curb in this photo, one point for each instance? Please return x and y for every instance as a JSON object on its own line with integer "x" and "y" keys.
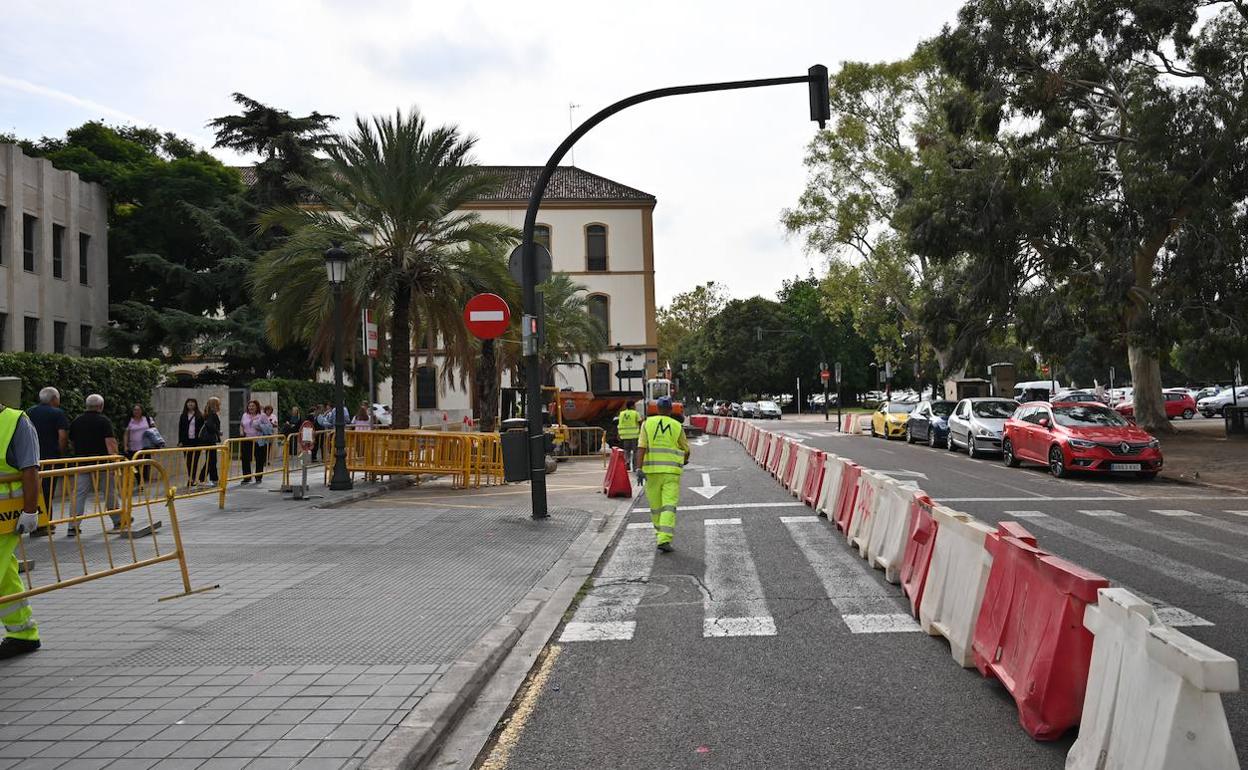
{"x": 365, "y": 494}
{"x": 419, "y": 737}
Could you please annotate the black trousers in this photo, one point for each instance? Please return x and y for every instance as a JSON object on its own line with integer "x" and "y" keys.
{"x": 254, "y": 453}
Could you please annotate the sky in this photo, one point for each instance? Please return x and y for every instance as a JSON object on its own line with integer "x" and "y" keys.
{"x": 723, "y": 166}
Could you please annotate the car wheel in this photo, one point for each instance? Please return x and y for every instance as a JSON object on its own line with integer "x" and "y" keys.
{"x": 952, "y": 447}
{"x": 1148, "y": 475}
{"x": 909, "y": 435}
{"x": 1057, "y": 463}
{"x": 1188, "y": 414}
{"x": 931, "y": 438}
{"x": 971, "y": 450}
{"x": 1007, "y": 454}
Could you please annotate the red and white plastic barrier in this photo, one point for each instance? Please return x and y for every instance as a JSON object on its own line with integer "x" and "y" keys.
{"x": 886, "y": 543}
{"x": 957, "y": 574}
{"x": 812, "y": 485}
{"x": 870, "y": 485}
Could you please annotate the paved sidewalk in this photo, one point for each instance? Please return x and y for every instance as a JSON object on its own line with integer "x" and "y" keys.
{"x": 329, "y": 627}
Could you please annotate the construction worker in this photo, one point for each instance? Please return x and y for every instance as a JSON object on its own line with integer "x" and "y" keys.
{"x": 19, "y": 515}
{"x": 663, "y": 453}
{"x": 628, "y": 427}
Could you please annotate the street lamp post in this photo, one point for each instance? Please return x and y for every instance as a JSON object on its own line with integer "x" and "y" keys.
{"x": 336, "y": 259}
{"x": 816, "y": 80}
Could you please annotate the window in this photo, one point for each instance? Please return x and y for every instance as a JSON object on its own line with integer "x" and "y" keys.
{"x": 541, "y": 234}
{"x": 596, "y": 248}
{"x": 58, "y": 336}
{"x": 28, "y": 242}
{"x": 84, "y": 337}
{"x": 31, "y": 341}
{"x": 4, "y": 328}
{"x": 3, "y": 219}
{"x": 599, "y": 306}
{"x": 599, "y": 377}
{"x": 426, "y": 387}
{"x": 84, "y": 250}
{"x": 58, "y": 251}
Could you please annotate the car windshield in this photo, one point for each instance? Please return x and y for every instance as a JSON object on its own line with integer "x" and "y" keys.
{"x": 767, "y": 405}
{"x": 943, "y": 408}
{"x": 994, "y": 410}
{"x": 1083, "y": 416}
{"x": 895, "y": 407}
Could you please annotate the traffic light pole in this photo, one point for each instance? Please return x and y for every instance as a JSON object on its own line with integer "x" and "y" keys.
{"x": 816, "y": 79}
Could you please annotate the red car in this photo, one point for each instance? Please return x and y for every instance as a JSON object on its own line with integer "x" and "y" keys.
{"x": 1179, "y": 403}
{"x": 1078, "y": 437}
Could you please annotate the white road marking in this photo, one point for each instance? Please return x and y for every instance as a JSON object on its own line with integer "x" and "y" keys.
{"x": 1025, "y": 514}
{"x": 733, "y": 603}
{"x": 865, "y": 607}
{"x": 1239, "y": 513}
{"x": 1175, "y": 513}
{"x": 608, "y": 612}
{"x": 735, "y": 506}
{"x": 904, "y": 474}
{"x": 707, "y": 489}
{"x": 1182, "y": 537}
{"x": 1081, "y": 499}
{"x": 1104, "y": 514}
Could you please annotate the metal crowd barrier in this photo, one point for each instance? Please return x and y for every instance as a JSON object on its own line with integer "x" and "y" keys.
{"x": 579, "y": 442}
{"x": 189, "y": 471}
{"x": 469, "y": 459}
{"x": 272, "y": 449}
{"x": 115, "y": 495}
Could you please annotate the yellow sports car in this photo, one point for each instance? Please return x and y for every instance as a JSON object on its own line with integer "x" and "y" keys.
{"x": 889, "y": 421}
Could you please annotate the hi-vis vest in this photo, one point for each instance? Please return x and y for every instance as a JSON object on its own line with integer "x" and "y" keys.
{"x": 629, "y": 424}
{"x": 663, "y": 453}
{"x": 10, "y": 491}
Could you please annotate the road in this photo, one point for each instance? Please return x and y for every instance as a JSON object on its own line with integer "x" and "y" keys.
{"x": 763, "y": 641}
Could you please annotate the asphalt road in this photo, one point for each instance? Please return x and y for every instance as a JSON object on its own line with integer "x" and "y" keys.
{"x": 762, "y": 641}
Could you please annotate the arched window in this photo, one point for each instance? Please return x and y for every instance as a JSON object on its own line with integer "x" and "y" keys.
{"x": 599, "y": 306}
{"x": 596, "y": 248}
{"x": 600, "y": 377}
{"x": 541, "y": 234}
{"x": 426, "y": 387}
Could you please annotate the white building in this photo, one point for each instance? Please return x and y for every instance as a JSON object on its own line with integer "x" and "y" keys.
{"x": 53, "y": 257}
{"x": 601, "y": 234}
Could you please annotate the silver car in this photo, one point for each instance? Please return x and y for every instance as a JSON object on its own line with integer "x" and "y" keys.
{"x": 976, "y": 424}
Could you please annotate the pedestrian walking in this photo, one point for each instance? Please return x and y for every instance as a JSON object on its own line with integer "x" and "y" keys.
{"x": 140, "y": 434}
{"x": 19, "y": 515}
{"x": 663, "y": 452}
{"x": 92, "y": 435}
{"x": 628, "y": 428}
{"x": 210, "y": 436}
{"x": 255, "y": 424}
{"x": 190, "y": 426}
{"x": 52, "y": 427}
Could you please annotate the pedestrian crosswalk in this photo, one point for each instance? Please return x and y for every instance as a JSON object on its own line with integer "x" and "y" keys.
{"x": 734, "y": 601}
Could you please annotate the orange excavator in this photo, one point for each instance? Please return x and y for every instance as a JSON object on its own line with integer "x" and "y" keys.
{"x": 585, "y": 408}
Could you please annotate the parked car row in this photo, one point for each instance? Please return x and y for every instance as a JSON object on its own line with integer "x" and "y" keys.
{"x": 1064, "y": 436}
{"x": 763, "y": 410}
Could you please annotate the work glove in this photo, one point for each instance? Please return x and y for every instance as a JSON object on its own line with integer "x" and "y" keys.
{"x": 641, "y": 476}
{"x": 27, "y": 522}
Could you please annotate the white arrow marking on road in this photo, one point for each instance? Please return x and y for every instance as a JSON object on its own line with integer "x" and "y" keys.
{"x": 707, "y": 490}
{"x": 907, "y": 474}
{"x": 700, "y": 441}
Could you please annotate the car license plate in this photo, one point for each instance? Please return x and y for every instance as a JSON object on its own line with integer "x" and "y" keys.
{"x": 1126, "y": 467}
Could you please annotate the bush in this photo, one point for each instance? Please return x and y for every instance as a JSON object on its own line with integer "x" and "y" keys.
{"x": 305, "y": 394}
{"x": 121, "y": 381}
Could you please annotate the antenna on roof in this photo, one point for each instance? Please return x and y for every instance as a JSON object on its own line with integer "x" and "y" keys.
{"x": 571, "y": 126}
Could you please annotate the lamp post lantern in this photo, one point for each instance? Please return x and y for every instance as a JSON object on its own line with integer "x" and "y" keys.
{"x": 336, "y": 259}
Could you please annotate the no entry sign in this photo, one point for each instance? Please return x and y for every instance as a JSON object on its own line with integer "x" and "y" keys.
{"x": 487, "y": 316}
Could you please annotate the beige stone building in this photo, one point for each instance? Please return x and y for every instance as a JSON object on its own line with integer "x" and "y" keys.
{"x": 53, "y": 257}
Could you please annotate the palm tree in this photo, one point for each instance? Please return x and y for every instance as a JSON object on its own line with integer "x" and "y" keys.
{"x": 391, "y": 196}
{"x": 570, "y": 331}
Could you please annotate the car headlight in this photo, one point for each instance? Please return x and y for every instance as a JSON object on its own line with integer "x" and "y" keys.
{"x": 1154, "y": 443}
{"x": 1079, "y": 443}
{"x": 986, "y": 433}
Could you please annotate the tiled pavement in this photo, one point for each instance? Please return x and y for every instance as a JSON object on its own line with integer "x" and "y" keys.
{"x": 329, "y": 626}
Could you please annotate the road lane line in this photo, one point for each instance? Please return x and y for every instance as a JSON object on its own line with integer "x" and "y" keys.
{"x": 1202, "y": 579}
{"x": 1025, "y": 514}
{"x": 732, "y": 602}
{"x": 1238, "y": 513}
{"x": 864, "y": 606}
{"x": 1104, "y": 514}
{"x": 609, "y": 611}
{"x": 736, "y": 506}
{"x": 1081, "y": 499}
{"x": 1174, "y": 513}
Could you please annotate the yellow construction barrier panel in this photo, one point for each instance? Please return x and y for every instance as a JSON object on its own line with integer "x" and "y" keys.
{"x": 190, "y": 471}
{"x": 468, "y": 459}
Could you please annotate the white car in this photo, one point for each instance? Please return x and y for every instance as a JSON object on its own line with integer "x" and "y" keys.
{"x": 1216, "y": 405}
{"x": 768, "y": 410}
{"x": 381, "y": 414}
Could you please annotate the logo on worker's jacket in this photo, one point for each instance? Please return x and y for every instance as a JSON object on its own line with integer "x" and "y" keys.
{"x": 662, "y": 427}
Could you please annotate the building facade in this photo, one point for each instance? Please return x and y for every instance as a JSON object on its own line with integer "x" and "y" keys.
{"x": 53, "y": 257}
{"x": 601, "y": 234}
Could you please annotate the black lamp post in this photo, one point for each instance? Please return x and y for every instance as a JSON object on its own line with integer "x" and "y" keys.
{"x": 336, "y": 259}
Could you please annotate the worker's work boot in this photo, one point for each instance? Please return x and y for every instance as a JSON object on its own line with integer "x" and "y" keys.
{"x": 666, "y": 547}
{"x": 11, "y": 647}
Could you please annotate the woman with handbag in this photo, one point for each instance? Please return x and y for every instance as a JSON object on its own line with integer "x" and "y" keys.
{"x": 210, "y": 436}
{"x": 190, "y": 425}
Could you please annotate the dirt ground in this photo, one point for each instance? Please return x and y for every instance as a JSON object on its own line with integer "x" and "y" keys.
{"x": 1202, "y": 452}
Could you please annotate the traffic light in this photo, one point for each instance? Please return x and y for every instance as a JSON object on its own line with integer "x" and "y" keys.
{"x": 817, "y": 82}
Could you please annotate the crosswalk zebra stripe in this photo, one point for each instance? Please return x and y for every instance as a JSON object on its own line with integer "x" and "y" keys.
{"x": 1103, "y": 514}
{"x": 1226, "y": 550}
{"x": 1175, "y": 513}
{"x": 1239, "y": 513}
{"x": 1232, "y": 527}
{"x": 1025, "y": 514}
{"x": 1232, "y": 590}
{"x": 733, "y": 603}
{"x": 865, "y": 607}
{"x": 608, "y": 612}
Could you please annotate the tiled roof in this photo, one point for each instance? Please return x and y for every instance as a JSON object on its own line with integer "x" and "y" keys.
{"x": 569, "y": 183}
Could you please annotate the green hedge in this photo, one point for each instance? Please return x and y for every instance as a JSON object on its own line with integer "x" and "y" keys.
{"x": 305, "y": 394}
{"x": 122, "y": 382}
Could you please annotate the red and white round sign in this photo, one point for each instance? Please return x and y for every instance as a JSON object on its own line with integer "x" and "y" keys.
{"x": 487, "y": 316}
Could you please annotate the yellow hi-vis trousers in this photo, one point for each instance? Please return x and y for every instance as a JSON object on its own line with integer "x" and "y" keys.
{"x": 663, "y": 492}
{"x": 19, "y": 621}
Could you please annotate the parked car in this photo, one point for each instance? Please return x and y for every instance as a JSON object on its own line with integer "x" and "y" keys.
{"x": 1203, "y": 393}
{"x": 1079, "y": 396}
{"x": 721, "y": 408}
{"x": 1043, "y": 388}
{"x": 929, "y": 422}
{"x": 976, "y": 424}
{"x": 1079, "y": 437}
{"x": 734, "y": 409}
{"x": 1178, "y": 403}
{"x": 1216, "y": 405}
{"x": 889, "y": 420}
{"x": 749, "y": 409}
{"x": 768, "y": 410}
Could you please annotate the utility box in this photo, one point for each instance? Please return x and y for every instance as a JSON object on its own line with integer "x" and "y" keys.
{"x": 515, "y": 442}
{"x": 956, "y": 390}
{"x": 11, "y": 392}
{"x": 1004, "y": 378}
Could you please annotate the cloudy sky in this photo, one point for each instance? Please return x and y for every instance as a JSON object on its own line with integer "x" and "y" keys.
{"x": 722, "y": 165}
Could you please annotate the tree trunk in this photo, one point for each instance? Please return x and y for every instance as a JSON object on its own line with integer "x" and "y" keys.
{"x": 401, "y": 357}
{"x": 487, "y": 389}
{"x": 1150, "y": 404}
